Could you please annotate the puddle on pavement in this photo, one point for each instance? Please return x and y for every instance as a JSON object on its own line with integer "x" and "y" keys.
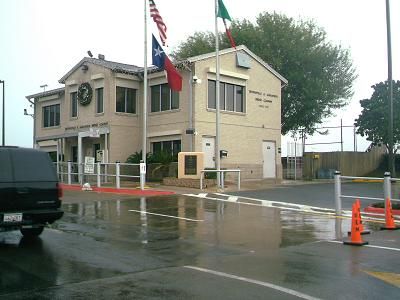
{"x": 218, "y": 223}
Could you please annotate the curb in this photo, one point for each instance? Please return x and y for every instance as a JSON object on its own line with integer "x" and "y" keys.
{"x": 376, "y": 210}
{"x": 133, "y": 192}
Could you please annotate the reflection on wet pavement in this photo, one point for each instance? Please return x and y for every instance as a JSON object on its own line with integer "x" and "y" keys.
{"x": 100, "y": 240}
{"x": 257, "y": 228}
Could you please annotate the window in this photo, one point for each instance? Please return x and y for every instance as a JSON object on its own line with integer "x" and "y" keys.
{"x": 173, "y": 147}
{"x": 51, "y": 115}
{"x": 126, "y": 100}
{"x": 99, "y": 101}
{"x": 163, "y": 98}
{"x": 74, "y": 105}
{"x": 231, "y": 96}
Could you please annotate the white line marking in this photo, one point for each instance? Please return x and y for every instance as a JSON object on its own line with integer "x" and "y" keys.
{"x": 262, "y": 283}
{"x": 232, "y": 198}
{"x": 168, "y": 216}
{"x": 369, "y": 246}
{"x": 346, "y": 214}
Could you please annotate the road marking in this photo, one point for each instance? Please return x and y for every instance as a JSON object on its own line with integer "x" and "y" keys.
{"x": 315, "y": 210}
{"x": 391, "y": 278}
{"x": 262, "y": 283}
{"x": 167, "y": 216}
{"x": 369, "y": 246}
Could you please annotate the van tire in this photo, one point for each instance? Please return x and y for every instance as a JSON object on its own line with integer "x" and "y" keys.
{"x": 32, "y": 232}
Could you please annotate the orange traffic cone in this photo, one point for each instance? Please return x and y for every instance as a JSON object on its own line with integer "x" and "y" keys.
{"x": 390, "y": 225}
{"x": 362, "y": 231}
{"x": 355, "y": 238}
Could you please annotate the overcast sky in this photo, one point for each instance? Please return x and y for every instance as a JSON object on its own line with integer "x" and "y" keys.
{"x": 41, "y": 40}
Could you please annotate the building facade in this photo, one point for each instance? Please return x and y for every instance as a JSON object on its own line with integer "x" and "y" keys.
{"x": 98, "y": 112}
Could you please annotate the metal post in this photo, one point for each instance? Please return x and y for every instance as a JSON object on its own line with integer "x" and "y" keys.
{"x": 201, "y": 180}
{"x": 222, "y": 180}
{"x": 69, "y": 171}
{"x": 338, "y": 193}
{"x": 217, "y": 100}
{"x": 341, "y": 135}
{"x": 145, "y": 85}
{"x": 80, "y": 163}
{"x": 239, "y": 180}
{"x": 191, "y": 109}
{"x": 117, "y": 173}
{"x": 98, "y": 174}
{"x": 295, "y": 160}
{"x": 390, "y": 82}
{"x": 4, "y": 109}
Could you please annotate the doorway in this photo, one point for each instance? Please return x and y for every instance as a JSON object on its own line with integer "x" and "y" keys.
{"x": 269, "y": 159}
{"x": 208, "y": 146}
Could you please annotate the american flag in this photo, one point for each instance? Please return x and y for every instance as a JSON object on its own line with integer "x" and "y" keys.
{"x": 162, "y": 28}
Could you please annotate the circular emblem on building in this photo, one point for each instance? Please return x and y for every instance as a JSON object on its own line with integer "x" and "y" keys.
{"x": 85, "y": 93}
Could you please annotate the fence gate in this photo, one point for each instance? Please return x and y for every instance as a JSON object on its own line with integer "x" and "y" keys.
{"x": 294, "y": 161}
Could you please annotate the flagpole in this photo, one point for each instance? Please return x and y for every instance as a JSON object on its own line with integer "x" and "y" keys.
{"x": 217, "y": 100}
{"x": 144, "y": 125}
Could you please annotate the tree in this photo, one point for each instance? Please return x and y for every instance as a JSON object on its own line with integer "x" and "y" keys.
{"x": 373, "y": 122}
{"x": 320, "y": 74}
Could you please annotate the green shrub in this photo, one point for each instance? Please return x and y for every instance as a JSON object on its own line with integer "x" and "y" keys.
{"x": 210, "y": 175}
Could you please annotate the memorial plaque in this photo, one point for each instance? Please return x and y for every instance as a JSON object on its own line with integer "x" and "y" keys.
{"x": 190, "y": 164}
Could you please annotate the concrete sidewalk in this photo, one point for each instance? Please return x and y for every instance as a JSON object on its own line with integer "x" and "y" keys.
{"x": 158, "y": 189}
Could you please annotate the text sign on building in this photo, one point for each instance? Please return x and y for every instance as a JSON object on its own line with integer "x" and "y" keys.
{"x": 190, "y": 164}
{"x": 89, "y": 165}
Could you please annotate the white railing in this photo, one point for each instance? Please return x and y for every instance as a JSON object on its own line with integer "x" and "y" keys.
{"x": 222, "y": 176}
{"x": 387, "y": 189}
{"x": 71, "y": 172}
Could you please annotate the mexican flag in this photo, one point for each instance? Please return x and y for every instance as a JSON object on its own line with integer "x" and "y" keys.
{"x": 224, "y": 15}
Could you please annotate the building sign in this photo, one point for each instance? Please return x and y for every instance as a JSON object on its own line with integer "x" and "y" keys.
{"x": 190, "y": 164}
{"x": 89, "y": 164}
{"x": 264, "y": 99}
{"x": 94, "y": 126}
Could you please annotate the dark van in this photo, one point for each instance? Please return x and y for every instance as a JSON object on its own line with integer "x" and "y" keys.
{"x": 29, "y": 191}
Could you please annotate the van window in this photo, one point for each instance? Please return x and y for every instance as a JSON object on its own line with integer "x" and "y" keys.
{"x": 5, "y": 166}
{"x": 32, "y": 165}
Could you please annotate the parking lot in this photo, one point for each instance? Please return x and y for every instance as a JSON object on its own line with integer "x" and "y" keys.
{"x": 198, "y": 246}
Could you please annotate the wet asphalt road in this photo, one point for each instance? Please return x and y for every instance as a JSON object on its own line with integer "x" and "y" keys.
{"x": 322, "y": 194}
{"x": 107, "y": 247}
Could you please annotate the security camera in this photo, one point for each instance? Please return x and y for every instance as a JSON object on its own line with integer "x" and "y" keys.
{"x": 196, "y": 79}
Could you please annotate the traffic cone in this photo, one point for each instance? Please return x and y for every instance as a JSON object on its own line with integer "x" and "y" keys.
{"x": 362, "y": 231}
{"x": 355, "y": 238}
{"x": 390, "y": 225}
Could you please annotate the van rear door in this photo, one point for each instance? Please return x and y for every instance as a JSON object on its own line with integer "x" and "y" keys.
{"x": 7, "y": 187}
{"x": 35, "y": 179}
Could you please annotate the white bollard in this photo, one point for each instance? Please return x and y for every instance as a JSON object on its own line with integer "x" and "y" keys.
{"x": 142, "y": 175}
{"x": 98, "y": 174}
{"x": 69, "y": 171}
{"x": 338, "y": 193}
{"x": 117, "y": 174}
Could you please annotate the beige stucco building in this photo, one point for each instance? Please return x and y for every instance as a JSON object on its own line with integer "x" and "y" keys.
{"x": 77, "y": 125}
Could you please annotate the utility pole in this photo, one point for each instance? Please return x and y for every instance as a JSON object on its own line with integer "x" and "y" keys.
{"x": 390, "y": 82}
{"x": 4, "y": 120}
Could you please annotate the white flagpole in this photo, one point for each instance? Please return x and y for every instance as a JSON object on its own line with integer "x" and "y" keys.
{"x": 144, "y": 125}
{"x": 217, "y": 100}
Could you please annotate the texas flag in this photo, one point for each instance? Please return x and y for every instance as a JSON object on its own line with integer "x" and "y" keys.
{"x": 161, "y": 60}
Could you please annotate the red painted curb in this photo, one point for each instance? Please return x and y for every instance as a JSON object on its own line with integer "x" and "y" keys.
{"x": 135, "y": 192}
{"x": 376, "y": 210}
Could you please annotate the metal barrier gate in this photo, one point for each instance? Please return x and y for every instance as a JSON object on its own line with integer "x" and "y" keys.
{"x": 70, "y": 172}
{"x": 387, "y": 189}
